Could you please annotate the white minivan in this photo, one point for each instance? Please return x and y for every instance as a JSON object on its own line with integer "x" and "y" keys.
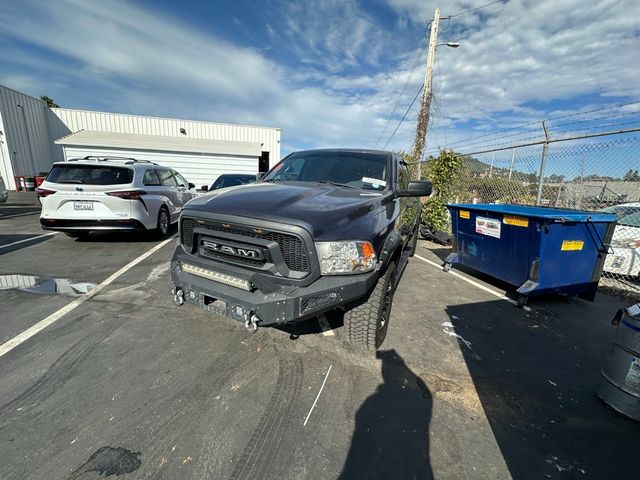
{"x": 111, "y": 193}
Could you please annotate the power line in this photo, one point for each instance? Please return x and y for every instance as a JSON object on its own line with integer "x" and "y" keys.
{"x": 404, "y": 116}
{"x": 474, "y": 9}
{"x": 404, "y": 87}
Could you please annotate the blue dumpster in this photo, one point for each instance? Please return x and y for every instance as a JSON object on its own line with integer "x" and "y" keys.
{"x": 535, "y": 249}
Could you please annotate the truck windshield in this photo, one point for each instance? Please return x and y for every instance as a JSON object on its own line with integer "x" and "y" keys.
{"x": 368, "y": 171}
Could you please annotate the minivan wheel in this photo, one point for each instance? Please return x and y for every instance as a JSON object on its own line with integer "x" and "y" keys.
{"x": 163, "y": 222}
{"x": 366, "y": 324}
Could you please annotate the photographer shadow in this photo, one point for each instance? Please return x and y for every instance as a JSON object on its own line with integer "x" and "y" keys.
{"x": 391, "y": 438}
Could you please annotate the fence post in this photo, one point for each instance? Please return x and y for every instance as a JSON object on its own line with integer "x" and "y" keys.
{"x": 543, "y": 162}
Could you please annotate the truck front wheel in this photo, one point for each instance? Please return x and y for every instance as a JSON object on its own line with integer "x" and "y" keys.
{"x": 366, "y": 324}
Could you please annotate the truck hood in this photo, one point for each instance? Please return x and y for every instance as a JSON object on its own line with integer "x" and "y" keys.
{"x": 322, "y": 209}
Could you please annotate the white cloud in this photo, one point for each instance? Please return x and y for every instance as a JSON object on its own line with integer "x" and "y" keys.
{"x": 343, "y": 69}
{"x": 525, "y": 51}
{"x": 331, "y": 34}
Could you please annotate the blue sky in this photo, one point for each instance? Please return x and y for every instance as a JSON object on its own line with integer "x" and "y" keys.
{"x": 329, "y": 73}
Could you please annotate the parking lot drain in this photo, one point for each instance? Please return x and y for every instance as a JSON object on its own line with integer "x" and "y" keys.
{"x": 42, "y": 285}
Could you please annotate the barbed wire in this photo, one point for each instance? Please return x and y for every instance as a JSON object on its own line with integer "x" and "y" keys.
{"x": 404, "y": 88}
{"x": 468, "y": 141}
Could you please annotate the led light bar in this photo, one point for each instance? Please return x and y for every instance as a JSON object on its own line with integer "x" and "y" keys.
{"x": 216, "y": 276}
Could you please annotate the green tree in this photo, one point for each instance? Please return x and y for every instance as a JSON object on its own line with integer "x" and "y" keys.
{"x": 555, "y": 178}
{"x": 49, "y": 101}
{"x": 631, "y": 176}
{"x": 445, "y": 172}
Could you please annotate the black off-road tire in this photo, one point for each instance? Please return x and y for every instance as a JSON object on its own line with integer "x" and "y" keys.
{"x": 366, "y": 324}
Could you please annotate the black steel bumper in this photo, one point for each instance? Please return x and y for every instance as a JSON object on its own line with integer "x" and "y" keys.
{"x": 281, "y": 303}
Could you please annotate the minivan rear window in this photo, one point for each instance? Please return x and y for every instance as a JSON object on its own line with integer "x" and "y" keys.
{"x": 90, "y": 174}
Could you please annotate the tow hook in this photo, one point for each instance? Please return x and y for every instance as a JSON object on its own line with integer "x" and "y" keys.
{"x": 178, "y": 297}
{"x": 252, "y": 325}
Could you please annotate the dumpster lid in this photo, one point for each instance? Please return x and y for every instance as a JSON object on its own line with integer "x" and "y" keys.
{"x": 550, "y": 213}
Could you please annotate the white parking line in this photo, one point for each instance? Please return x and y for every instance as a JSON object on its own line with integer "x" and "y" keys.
{"x": 317, "y": 396}
{"x": 27, "y": 240}
{"x": 42, "y": 324}
{"x": 474, "y": 283}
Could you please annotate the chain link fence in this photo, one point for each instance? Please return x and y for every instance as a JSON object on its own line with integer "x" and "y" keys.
{"x": 586, "y": 172}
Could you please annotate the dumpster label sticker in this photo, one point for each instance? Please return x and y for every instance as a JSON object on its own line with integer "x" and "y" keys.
{"x": 465, "y": 214}
{"x": 516, "y": 221}
{"x": 488, "y": 226}
{"x": 571, "y": 245}
{"x": 633, "y": 376}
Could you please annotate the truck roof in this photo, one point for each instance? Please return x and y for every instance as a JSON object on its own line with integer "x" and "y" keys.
{"x": 347, "y": 150}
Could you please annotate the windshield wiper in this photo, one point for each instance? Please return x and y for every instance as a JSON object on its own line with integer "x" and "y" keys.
{"x": 338, "y": 184}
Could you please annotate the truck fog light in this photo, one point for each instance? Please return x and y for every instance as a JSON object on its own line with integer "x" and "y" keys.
{"x": 216, "y": 276}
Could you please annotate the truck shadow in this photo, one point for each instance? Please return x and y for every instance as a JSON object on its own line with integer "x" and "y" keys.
{"x": 391, "y": 437}
{"x": 536, "y": 374}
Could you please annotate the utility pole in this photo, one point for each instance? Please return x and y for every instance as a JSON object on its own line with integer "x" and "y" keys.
{"x": 423, "y": 117}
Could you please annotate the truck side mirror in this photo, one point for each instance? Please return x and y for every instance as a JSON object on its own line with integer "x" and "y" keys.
{"x": 259, "y": 176}
{"x": 417, "y": 188}
{"x": 191, "y": 185}
{"x": 204, "y": 188}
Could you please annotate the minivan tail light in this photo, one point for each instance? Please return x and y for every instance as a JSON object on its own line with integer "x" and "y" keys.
{"x": 128, "y": 194}
{"x": 43, "y": 192}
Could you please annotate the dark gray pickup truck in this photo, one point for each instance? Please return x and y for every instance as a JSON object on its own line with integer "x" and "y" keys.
{"x": 323, "y": 230}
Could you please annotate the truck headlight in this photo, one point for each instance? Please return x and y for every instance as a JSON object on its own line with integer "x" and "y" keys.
{"x": 346, "y": 257}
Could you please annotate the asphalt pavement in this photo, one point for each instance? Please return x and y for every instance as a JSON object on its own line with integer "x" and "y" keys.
{"x": 123, "y": 382}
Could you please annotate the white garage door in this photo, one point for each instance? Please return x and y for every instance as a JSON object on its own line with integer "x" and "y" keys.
{"x": 201, "y": 169}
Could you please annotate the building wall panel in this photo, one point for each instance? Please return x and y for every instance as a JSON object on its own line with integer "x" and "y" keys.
{"x": 198, "y": 169}
{"x": 75, "y": 120}
{"x": 26, "y": 137}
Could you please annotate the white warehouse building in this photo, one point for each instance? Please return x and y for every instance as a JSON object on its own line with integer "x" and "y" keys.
{"x": 33, "y": 136}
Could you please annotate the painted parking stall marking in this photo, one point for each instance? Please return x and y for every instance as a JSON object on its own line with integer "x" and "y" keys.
{"x": 44, "y": 323}
{"x": 475, "y": 284}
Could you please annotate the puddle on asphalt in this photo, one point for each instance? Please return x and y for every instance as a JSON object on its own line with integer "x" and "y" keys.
{"x": 44, "y": 285}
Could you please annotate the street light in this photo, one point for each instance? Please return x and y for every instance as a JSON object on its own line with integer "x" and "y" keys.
{"x": 449, "y": 44}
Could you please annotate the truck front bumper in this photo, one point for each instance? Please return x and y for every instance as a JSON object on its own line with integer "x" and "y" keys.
{"x": 281, "y": 304}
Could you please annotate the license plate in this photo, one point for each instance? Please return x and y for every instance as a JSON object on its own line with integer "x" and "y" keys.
{"x": 83, "y": 205}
